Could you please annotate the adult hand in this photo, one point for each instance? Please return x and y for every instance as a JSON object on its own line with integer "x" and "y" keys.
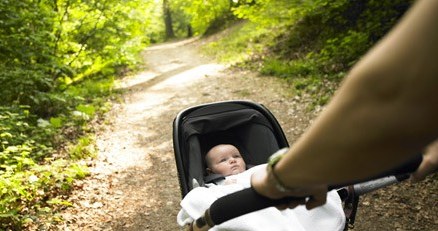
{"x": 265, "y": 186}
{"x": 429, "y": 163}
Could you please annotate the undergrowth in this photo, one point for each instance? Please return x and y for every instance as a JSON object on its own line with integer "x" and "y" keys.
{"x": 312, "y": 50}
{"x": 238, "y": 43}
{"x": 40, "y": 158}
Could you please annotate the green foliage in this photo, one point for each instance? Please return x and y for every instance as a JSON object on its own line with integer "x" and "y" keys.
{"x": 83, "y": 148}
{"x": 26, "y": 196}
{"x": 343, "y": 50}
{"x": 58, "y": 60}
{"x": 47, "y": 45}
{"x": 268, "y": 13}
{"x": 17, "y": 126}
{"x": 316, "y": 42}
{"x": 33, "y": 180}
{"x": 205, "y": 16}
{"x": 295, "y": 68}
{"x": 155, "y": 29}
{"x": 30, "y": 177}
{"x": 99, "y": 36}
{"x": 241, "y": 42}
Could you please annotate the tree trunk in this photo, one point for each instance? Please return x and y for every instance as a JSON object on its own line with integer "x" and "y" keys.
{"x": 168, "y": 20}
{"x": 189, "y": 31}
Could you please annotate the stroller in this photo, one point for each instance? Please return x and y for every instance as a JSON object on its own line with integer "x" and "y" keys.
{"x": 253, "y": 129}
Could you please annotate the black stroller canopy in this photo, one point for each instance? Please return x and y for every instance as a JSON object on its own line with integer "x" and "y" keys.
{"x": 248, "y": 126}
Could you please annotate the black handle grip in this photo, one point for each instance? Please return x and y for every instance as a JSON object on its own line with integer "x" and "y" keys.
{"x": 240, "y": 203}
{"x": 248, "y": 200}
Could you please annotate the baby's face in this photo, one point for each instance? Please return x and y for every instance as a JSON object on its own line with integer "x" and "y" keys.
{"x": 225, "y": 160}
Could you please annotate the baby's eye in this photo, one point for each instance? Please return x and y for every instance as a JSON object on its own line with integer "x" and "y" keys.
{"x": 237, "y": 156}
{"x": 223, "y": 160}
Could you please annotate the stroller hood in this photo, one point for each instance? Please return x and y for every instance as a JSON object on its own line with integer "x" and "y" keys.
{"x": 247, "y": 125}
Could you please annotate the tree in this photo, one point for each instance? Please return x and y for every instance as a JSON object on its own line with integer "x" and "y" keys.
{"x": 168, "y": 20}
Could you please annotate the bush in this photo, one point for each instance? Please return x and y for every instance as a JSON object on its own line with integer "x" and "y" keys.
{"x": 318, "y": 41}
{"x": 35, "y": 175}
{"x": 26, "y": 196}
{"x": 33, "y": 182}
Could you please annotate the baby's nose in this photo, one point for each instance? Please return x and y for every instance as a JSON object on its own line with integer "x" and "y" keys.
{"x": 232, "y": 160}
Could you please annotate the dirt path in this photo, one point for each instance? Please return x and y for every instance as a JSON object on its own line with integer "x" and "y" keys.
{"x": 134, "y": 184}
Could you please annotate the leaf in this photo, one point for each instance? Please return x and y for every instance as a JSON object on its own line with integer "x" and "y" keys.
{"x": 5, "y": 215}
{"x": 56, "y": 122}
{"x": 87, "y": 109}
{"x": 6, "y": 135}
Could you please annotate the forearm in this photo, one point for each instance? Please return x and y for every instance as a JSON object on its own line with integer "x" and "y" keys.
{"x": 384, "y": 113}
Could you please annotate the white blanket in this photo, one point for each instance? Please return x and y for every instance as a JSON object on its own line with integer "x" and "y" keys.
{"x": 329, "y": 217}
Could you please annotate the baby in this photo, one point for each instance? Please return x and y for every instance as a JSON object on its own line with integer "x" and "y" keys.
{"x": 224, "y": 159}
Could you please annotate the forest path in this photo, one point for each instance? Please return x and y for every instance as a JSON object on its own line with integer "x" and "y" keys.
{"x": 134, "y": 182}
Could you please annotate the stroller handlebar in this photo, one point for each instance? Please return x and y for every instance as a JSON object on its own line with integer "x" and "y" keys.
{"x": 248, "y": 200}
{"x": 372, "y": 185}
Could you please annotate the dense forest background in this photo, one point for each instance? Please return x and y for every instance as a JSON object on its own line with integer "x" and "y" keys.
{"x": 59, "y": 60}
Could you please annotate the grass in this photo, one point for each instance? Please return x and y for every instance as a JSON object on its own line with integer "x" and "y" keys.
{"x": 237, "y": 43}
{"x": 247, "y": 46}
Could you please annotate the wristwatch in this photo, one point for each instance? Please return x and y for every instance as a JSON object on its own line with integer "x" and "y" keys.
{"x": 273, "y": 160}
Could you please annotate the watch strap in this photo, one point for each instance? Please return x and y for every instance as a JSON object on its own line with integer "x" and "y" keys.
{"x": 273, "y": 160}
